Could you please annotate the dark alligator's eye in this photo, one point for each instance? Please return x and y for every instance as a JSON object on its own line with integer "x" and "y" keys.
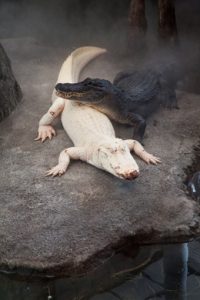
{"x": 89, "y": 84}
{"x": 87, "y": 81}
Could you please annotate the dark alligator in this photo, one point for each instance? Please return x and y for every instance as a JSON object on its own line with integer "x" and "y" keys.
{"x": 132, "y": 97}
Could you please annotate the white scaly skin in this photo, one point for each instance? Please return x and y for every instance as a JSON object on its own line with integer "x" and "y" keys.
{"x": 91, "y": 131}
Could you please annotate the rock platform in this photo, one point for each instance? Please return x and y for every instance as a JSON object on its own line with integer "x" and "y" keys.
{"x": 67, "y": 225}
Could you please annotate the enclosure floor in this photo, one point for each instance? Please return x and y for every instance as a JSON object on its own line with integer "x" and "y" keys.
{"x": 67, "y": 224}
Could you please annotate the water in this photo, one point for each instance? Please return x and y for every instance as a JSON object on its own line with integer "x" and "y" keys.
{"x": 152, "y": 272}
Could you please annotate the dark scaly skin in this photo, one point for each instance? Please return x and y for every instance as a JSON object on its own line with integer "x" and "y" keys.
{"x": 131, "y": 98}
{"x": 145, "y": 86}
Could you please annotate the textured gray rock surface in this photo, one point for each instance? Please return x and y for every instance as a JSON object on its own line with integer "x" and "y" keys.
{"x": 68, "y": 224}
{"x": 10, "y": 92}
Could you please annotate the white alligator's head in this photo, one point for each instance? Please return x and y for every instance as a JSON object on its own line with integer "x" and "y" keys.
{"x": 114, "y": 157}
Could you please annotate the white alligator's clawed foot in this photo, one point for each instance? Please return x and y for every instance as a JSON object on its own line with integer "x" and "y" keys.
{"x": 58, "y": 170}
{"x": 150, "y": 158}
{"x": 44, "y": 132}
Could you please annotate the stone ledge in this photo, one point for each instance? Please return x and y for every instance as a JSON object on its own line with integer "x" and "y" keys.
{"x": 67, "y": 225}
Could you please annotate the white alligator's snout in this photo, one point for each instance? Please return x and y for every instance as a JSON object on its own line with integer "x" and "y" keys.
{"x": 128, "y": 168}
{"x": 128, "y": 174}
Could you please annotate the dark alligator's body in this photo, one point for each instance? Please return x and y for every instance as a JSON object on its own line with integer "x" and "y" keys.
{"x": 131, "y": 98}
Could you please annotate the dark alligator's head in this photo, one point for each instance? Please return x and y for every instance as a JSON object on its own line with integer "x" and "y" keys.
{"x": 87, "y": 91}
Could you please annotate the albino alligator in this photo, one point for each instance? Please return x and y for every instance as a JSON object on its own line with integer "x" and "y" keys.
{"x": 91, "y": 131}
{"x": 131, "y": 98}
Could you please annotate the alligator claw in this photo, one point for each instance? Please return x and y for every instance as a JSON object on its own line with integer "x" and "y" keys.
{"x": 58, "y": 170}
{"x": 151, "y": 159}
{"x": 44, "y": 132}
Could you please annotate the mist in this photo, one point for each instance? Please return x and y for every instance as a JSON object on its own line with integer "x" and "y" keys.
{"x": 71, "y": 24}
{"x": 64, "y": 22}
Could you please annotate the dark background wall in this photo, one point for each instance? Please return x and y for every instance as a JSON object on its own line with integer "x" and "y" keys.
{"x": 52, "y": 19}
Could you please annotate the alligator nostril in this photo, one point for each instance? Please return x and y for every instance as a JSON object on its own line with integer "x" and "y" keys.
{"x": 130, "y": 175}
{"x": 135, "y": 174}
{"x": 58, "y": 86}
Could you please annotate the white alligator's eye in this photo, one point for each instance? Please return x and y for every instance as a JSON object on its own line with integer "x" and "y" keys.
{"x": 102, "y": 153}
{"x": 114, "y": 150}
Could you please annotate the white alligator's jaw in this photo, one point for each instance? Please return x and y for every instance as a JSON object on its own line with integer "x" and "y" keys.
{"x": 127, "y": 173}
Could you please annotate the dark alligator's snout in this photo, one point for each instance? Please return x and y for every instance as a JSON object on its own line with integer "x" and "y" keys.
{"x": 64, "y": 90}
{"x": 69, "y": 88}
{"x": 60, "y": 87}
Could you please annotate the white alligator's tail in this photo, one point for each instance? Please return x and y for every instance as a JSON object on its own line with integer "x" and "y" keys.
{"x": 75, "y": 63}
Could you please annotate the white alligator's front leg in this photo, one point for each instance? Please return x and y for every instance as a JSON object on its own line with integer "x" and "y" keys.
{"x": 139, "y": 150}
{"x": 45, "y": 130}
{"x": 64, "y": 160}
